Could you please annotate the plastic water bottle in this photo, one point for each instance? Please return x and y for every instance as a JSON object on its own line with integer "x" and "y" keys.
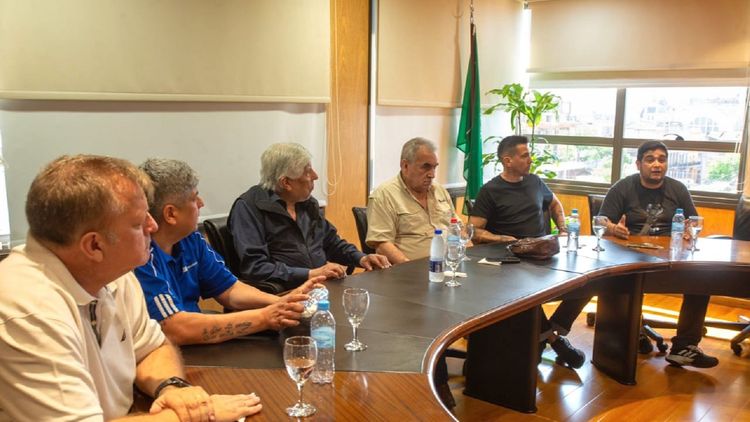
{"x": 678, "y": 229}
{"x": 311, "y": 305}
{"x": 454, "y": 231}
{"x": 323, "y": 330}
{"x": 574, "y": 229}
{"x": 437, "y": 255}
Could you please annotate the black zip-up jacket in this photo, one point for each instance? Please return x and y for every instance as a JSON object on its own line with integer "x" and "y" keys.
{"x": 273, "y": 247}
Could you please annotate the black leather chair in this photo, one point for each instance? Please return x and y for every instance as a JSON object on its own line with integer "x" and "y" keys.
{"x": 221, "y": 240}
{"x": 469, "y": 203}
{"x": 360, "y": 219}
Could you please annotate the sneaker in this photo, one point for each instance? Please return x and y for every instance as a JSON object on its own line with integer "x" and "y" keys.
{"x": 567, "y": 354}
{"x": 691, "y": 355}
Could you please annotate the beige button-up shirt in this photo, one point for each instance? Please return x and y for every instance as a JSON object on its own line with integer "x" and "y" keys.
{"x": 394, "y": 215}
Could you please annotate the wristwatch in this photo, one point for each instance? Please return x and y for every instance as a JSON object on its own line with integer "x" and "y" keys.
{"x": 171, "y": 382}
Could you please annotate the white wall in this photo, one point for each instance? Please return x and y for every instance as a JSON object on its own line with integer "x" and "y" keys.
{"x": 221, "y": 141}
{"x": 393, "y": 126}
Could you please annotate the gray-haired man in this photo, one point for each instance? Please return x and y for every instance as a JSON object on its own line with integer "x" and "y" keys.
{"x": 278, "y": 231}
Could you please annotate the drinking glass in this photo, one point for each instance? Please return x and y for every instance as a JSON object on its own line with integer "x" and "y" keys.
{"x": 466, "y": 234}
{"x": 695, "y": 225}
{"x": 300, "y": 353}
{"x": 599, "y": 224}
{"x": 356, "y": 303}
{"x": 454, "y": 254}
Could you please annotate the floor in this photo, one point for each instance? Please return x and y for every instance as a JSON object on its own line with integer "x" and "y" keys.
{"x": 663, "y": 392}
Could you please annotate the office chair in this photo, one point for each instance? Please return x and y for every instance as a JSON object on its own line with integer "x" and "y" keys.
{"x": 221, "y": 240}
{"x": 360, "y": 219}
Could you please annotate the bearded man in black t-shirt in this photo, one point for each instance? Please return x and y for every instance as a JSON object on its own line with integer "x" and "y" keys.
{"x": 643, "y": 204}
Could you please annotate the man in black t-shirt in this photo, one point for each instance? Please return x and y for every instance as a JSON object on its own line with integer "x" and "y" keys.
{"x": 643, "y": 204}
{"x": 511, "y": 206}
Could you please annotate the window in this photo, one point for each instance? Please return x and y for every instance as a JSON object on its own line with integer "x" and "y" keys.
{"x": 596, "y": 132}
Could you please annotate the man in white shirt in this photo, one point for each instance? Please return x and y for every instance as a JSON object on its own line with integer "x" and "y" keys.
{"x": 74, "y": 330}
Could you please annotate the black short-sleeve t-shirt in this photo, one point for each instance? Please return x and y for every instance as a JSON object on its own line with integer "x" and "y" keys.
{"x": 514, "y": 209}
{"x": 641, "y": 205}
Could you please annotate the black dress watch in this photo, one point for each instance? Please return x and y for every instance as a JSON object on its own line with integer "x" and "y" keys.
{"x": 173, "y": 382}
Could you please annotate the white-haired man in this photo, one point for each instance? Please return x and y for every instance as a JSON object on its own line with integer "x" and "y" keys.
{"x": 278, "y": 231}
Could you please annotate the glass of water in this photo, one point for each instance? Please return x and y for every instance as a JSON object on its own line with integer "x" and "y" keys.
{"x": 695, "y": 225}
{"x": 467, "y": 233}
{"x": 454, "y": 254}
{"x": 356, "y": 303}
{"x": 300, "y": 354}
{"x": 599, "y": 224}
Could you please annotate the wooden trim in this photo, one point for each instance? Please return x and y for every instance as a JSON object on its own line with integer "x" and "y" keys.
{"x": 348, "y": 114}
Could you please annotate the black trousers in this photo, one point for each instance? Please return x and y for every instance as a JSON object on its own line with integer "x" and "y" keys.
{"x": 689, "y": 323}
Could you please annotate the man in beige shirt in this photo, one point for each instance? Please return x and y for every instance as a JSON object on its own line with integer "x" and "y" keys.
{"x": 403, "y": 213}
{"x": 402, "y": 216}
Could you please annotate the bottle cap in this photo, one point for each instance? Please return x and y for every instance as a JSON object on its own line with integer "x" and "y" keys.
{"x": 438, "y": 231}
{"x": 454, "y": 220}
{"x": 323, "y": 305}
{"x": 575, "y": 211}
{"x": 679, "y": 211}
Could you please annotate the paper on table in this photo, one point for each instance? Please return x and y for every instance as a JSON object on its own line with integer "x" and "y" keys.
{"x": 459, "y": 274}
{"x": 484, "y": 261}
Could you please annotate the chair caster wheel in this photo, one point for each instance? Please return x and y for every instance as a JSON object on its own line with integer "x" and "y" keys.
{"x": 737, "y": 349}
{"x": 644, "y": 345}
{"x": 590, "y": 319}
{"x": 662, "y": 347}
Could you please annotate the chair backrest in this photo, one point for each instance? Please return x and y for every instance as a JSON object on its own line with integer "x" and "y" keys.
{"x": 595, "y": 204}
{"x": 742, "y": 219}
{"x": 360, "y": 218}
{"x": 469, "y": 203}
{"x": 221, "y": 240}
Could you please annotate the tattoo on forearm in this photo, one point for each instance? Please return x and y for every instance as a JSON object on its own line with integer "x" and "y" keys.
{"x": 243, "y": 327}
{"x": 211, "y": 333}
{"x": 230, "y": 330}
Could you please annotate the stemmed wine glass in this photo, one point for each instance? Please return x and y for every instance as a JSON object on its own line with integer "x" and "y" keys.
{"x": 466, "y": 234}
{"x": 454, "y": 254}
{"x": 356, "y": 303}
{"x": 695, "y": 225}
{"x": 599, "y": 224}
{"x": 300, "y": 354}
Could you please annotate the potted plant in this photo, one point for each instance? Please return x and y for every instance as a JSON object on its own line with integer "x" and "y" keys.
{"x": 528, "y": 106}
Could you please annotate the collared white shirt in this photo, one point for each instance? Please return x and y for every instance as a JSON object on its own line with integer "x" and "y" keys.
{"x": 53, "y": 366}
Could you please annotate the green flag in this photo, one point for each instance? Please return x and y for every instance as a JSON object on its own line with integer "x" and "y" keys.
{"x": 469, "y": 139}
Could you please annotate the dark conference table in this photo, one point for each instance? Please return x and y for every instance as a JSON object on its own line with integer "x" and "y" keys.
{"x": 411, "y": 321}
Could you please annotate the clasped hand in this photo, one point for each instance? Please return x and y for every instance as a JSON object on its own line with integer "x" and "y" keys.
{"x": 193, "y": 404}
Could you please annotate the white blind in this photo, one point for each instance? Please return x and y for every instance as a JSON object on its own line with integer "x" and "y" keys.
{"x": 423, "y": 49}
{"x": 229, "y": 50}
{"x": 640, "y": 35}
